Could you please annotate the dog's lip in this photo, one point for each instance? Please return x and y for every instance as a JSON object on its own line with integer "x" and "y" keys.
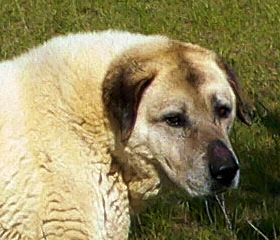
{"x": 217, "y": 188}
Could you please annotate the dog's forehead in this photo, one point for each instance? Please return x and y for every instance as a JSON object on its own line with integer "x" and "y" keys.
{"x": 193, "y": 75}
{"x": 204, "y": 72}
{"x": 211, "y": 82}
{"x": 198, "y": 67}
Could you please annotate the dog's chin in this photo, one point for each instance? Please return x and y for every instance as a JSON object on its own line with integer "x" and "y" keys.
{"x": 204, "y": 192}
{"x": 196, "y": 190}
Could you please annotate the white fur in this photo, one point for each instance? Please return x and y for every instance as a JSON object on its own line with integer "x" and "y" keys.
{"x": 53, "y": 141}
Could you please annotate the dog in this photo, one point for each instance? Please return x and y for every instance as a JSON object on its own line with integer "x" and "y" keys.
{"x": 95, "y": 124}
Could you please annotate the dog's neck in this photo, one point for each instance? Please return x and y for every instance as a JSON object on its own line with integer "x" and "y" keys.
{"x": 139, "y": 174}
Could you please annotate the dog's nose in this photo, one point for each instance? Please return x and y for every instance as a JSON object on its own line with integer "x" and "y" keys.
{"x": 222, "y": 163}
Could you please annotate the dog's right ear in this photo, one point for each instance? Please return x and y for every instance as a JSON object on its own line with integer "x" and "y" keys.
{"x": 123, "y": 88}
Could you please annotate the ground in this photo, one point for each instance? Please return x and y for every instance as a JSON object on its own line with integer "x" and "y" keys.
{"x": 246, "y": 34}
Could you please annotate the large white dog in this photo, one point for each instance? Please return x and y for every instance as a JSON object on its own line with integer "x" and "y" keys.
{"x": 92, "y": 125}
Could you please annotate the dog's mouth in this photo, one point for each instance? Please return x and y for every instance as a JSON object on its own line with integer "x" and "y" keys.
{"x": 210, "y": 187}
{"x": 217, "y": 189}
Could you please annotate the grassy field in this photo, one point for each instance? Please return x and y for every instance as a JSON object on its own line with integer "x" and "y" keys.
{"x": 247, "y": 34}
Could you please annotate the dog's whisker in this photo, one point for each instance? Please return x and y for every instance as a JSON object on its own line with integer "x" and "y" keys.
{"x": 221, "y": 202}
{"x": 208, "y": 211}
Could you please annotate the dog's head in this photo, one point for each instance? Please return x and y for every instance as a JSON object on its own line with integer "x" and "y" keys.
{"x": 173, "y": 106}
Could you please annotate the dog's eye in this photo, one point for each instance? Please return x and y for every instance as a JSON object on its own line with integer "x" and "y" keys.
{"x": 175, "y": 120}
{"x": 223, "y": 111}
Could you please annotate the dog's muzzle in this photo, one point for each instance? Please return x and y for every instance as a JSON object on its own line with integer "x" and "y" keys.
{"x": 223, "y": 165}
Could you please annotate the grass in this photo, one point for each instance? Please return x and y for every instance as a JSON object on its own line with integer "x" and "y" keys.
{"x": 246, "y": 33}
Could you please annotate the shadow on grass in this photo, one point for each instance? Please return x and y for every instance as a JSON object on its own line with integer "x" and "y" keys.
{"x": 261, "y": 160}
{"x": 272, "y": 122}
{"x": 273, "y": 186}
{"x": 262, "y": 172}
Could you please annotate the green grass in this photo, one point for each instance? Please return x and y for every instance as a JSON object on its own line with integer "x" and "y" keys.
{"x": 244, "y": 32}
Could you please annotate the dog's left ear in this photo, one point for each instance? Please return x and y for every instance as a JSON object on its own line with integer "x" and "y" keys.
{"x": 245, "y": 111}
{"x": 123, "y": 88}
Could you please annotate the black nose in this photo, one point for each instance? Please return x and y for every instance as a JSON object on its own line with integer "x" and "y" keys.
{"x": 222, "y": 163}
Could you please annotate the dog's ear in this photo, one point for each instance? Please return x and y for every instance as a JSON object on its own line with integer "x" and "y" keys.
{"x": 244, "y": 110}
{"x": 123, "y": 88}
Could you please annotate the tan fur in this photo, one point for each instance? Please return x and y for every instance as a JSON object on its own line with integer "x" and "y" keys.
{"x": 71, "y": 169}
